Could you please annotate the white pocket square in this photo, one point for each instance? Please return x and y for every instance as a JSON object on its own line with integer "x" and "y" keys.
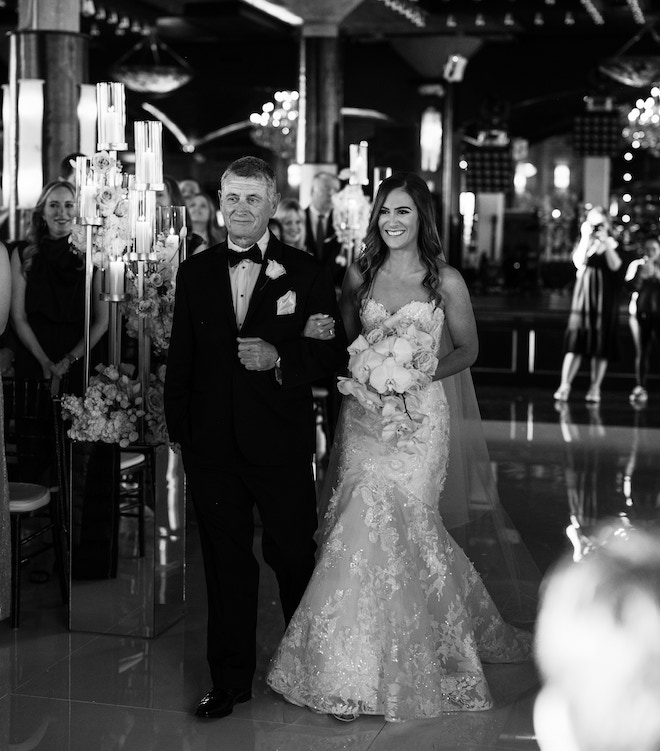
{"x": 286, "y": 304}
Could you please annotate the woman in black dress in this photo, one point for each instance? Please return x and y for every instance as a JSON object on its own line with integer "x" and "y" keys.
{"x": 593, "y": 321}
{"x": 48, "y": 293}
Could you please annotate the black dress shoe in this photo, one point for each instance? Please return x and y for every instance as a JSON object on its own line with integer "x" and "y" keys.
{"x": 219, "y": 702}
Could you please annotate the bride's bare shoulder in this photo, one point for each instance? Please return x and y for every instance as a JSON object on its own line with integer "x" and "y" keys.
{"x": 450, "y": 279}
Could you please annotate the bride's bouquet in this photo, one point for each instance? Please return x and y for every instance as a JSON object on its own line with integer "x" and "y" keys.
{"x": 389, "y": 367}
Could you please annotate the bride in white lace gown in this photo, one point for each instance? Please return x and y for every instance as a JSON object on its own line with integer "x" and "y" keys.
{"x": 396, "y": 620}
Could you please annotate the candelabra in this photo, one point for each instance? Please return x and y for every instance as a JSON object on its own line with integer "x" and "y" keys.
{"x": 351, "y": 207}
{"x": 126, "y": 235}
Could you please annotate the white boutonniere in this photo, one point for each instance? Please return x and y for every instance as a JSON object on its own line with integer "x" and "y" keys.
{"x": 274, "y": 270}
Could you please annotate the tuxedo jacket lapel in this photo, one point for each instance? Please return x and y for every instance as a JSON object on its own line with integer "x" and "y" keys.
{"x": 273, "y": 252}
{"x": 224, "y": 285}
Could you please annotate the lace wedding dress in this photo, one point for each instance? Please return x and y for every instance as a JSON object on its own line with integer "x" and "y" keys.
{"x": 395, "y": 620}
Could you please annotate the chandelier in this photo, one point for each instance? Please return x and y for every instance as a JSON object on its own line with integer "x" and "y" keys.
{"x": 635, "y": 70}
{"x": 643, "y": 129}
{"x": 275, "y": 127}
{"x": 151, "y": 67}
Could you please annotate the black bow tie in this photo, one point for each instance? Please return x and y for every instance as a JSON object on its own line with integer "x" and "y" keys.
{"x": 251, "y": 254}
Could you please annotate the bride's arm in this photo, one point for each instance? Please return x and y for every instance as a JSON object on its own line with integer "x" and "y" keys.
{"x": 459, "y": 318}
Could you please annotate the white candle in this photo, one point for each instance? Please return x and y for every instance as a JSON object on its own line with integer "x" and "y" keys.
{"x": 353, "y": 156}
{"x": 363, "y": 177}
{"x": 149, "y": 167}
{"x": 88, "y": 201}
{"x": 172, "y": 240}
{"x": 142, "y": 239}
{"x": 116, "y": 271}
{"x": 113, "y": 127}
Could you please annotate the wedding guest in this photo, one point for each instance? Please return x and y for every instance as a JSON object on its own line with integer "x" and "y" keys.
{"x": 597, "y": 647}
{"x": 203, "y": 228}
{"x": 171, "y": 194}
{"x": 594, "y": 318}
{"x": 239, "y": 402}
{"x": 48, "y": 293}
{"x": 8, "y": 342}
{"x": 320, "y": 234}
{"x": 291, "y": 216}
{"x": 395, "y": 620}
{"x": 5, "y": 537}
{"x": 644, "y": 277}
{"x": 275, "y": 227}
{"x": 68, "y": 167}
{"x": 189, "y": 188}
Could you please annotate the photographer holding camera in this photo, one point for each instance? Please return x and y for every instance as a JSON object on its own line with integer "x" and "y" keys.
{"x": 594, "y": 317}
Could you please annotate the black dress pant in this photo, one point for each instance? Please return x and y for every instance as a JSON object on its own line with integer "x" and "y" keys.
{"x": 223, "y": 499}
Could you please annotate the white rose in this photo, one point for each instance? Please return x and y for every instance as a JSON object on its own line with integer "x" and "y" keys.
{"x": 274, "y": 270}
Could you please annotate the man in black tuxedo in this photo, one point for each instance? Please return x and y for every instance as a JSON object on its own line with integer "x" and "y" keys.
{"x": 320, "y": 237}
{"x": 238, "y": 401}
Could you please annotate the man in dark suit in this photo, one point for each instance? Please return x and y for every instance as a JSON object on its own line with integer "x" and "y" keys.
{"x": 321, "y": 239}
{"x": 238, "y": 401}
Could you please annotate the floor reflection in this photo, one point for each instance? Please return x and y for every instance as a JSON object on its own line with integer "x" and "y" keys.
{"x": 558, "y": 467}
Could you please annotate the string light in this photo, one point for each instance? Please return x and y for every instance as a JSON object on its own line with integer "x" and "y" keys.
{"x": 408, "y": 9}
{"x": 637, "y": 12}
{"x": 643, "y": 131}
{"x": 593, "y": 11}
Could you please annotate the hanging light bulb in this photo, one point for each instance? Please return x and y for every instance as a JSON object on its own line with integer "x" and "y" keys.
{"x": 509, "y": 20}
{"x": 480, "y": 20}
{"x": 94, "y": 30}
{"x": 124, "y": 23}
{"x": 568, "y": 19}
{"x": 88, "y": 9}
{"x": 538, "y": 19}
{"x": 113, "y": 18}
{"x": 136, "y": 27}
{"x": 100, "y": 14}
{"x": 451, "y": 21}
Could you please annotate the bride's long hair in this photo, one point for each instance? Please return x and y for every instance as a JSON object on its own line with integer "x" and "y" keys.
{"x": 429, "y": 247}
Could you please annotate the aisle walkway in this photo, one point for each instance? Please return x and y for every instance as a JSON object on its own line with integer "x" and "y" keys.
{"x": 83, "y": 692}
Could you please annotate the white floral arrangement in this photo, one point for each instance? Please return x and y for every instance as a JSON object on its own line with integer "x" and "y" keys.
{"x": 389, "y": 367}
{"x": 156, "y": 308}
{"x": 113, "y": 235}
{"x": 110, "y": 409}
{"x": 350, "y": 218}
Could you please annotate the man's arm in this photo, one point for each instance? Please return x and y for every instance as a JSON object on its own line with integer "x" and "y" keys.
{"x": 178, "y": 376}
{"x": 304, "y": 360}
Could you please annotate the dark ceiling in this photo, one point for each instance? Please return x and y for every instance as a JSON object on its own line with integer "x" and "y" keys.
{"x": 531, "y": 62}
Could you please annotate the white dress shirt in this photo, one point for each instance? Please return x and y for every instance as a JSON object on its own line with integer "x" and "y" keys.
{"x": 243, "y": 278}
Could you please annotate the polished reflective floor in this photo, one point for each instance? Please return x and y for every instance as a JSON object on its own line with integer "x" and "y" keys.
{"x": 556, "y": 466}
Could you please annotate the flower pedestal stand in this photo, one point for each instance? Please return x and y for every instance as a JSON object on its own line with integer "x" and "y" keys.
{"x": 114, "y": 589}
